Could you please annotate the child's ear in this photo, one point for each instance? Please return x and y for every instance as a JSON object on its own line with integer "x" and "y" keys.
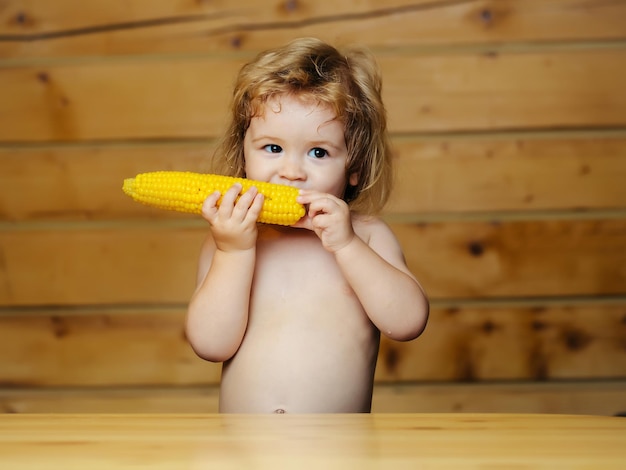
{"x": 353, "y": 179}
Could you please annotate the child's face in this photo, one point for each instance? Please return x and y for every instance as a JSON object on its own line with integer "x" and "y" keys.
{"x": 298, "y": 143}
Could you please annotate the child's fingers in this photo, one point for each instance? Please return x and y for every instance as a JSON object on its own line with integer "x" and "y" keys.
{"x": 230, "y": 196}
{"x": 324, "y": 204}
{"x": 254, "y": 211}
{"x": 244, "y": 203}
{"x": 306, "y": 196}
{"x": 209, "y": 206}
{"x": 312, "y": 199}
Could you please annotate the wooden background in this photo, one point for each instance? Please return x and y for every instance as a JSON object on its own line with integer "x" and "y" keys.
{"x": 509, "y": 120}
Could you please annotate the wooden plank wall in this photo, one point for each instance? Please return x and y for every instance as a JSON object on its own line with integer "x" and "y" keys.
{"x": 509, "y": 121}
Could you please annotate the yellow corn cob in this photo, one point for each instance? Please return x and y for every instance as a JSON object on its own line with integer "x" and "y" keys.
{"x": 185, "y": 191}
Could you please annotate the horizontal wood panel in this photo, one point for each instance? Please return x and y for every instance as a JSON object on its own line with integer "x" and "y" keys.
{"x": 451, "y": 175}
{"x": 111, "y": 400}
{"x": 85, "y": 183}
{"x": 490, "y": 343}
{"x": 100, "y": 349}
{"x": 527, "y": 258}
{"x": 156, "y": 263}
{"x": 184, "y": 98}
{"x": 593, "y": 398}
{"x": 541, "y": 342}
{"x": 147, "y": 264}
{"x": 509, "y": 174}
{"x": 40, "y": 28}
{"x": 177, "y": 98}
{"x": 597, "y": 398}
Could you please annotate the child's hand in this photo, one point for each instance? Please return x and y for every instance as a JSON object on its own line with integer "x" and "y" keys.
{"x": 233, "y": 223}
{"x": 329, "y": 217}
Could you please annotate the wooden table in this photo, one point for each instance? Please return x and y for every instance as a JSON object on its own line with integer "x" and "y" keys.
{"x": 398, "y": 441}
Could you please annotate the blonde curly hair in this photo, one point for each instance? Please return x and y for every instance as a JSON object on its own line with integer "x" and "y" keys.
{"x": 348, "y": 81}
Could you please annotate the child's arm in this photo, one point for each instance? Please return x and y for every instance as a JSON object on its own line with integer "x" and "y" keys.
{"x": 389, "y": 293}
{"x": 375, "y": 268}
{"x": 217, "y": 315}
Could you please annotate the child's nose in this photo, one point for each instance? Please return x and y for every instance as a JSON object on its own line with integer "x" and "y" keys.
{"x": 291, "y": 169}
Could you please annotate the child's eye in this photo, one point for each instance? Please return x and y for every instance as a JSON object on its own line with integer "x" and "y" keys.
{"x": 273, "y": 148}
{"x": 318, "y": 152}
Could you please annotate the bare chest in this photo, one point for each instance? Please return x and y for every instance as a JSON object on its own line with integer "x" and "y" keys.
{"x": 296, "y": 276}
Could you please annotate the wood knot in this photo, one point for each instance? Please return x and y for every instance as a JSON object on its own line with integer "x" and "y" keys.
{"x": 476, "y": 249}
{"x": 43, "y": 77}
{"x": 291, "y": 5}
{"x": 235, "y": 42}
{"x": 538, "y": 325}
{"x": 22, "y": 19}
{"x": 486, "y": 16}
{"x": 392, "y": 359}
{"x": 452, "y": 311}
{"x": 465, "y": 367}
{"x": 59, "y": 327}
{"x": 538, "y": 364}
{"x": 489, "y": 327}
{"x": 576, "y": 340}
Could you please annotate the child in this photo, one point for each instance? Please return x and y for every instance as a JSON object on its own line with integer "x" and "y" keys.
{"x": 295, "y": 313}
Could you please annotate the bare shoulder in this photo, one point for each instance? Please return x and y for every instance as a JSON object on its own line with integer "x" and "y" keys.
{"x": 380, "y": 238}
{"x": 372, "y": 230}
